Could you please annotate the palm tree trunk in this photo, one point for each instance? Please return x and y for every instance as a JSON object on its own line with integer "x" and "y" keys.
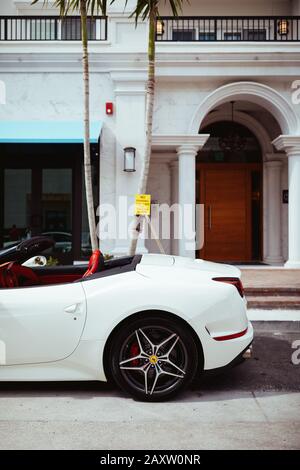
{"x": 87, "y": 149}
{"x": 149, "y": 120}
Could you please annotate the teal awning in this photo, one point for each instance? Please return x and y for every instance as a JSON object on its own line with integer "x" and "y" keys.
{"x": 47, "y": 132}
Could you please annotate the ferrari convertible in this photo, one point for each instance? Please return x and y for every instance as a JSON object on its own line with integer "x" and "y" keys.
{"x": 150, "y": 323}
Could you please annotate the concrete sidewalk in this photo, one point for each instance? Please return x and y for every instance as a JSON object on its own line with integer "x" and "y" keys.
{"x": 278, "y": 277}
{"x": 254, "y": 406}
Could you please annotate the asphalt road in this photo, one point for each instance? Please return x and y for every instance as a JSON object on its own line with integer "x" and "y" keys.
{"x": 254, "y": 406}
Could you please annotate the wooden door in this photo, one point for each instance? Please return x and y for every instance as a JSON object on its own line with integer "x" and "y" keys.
{"x": 226, "y": 194}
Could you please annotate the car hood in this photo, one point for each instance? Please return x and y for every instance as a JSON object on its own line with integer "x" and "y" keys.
{"x": 188, "y": 263}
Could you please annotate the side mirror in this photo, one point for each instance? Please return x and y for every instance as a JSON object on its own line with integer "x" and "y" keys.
{"x": 35, "y": 261}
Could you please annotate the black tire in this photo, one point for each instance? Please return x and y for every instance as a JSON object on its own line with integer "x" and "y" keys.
{"x": 164, "y": 375}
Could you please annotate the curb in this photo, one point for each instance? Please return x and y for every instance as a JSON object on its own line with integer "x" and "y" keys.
{"x": 273, "y": 315}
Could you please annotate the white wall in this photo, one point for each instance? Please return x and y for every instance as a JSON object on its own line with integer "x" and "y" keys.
{"x": 195, "y": 8}
{"x": 53, "y": 96}
{"x": 233, "y": 7}
{"x": 296, "y": 7}
{"x": 25, "y": 7}
{"x": 7, "y": 7}
{"x": 176, "y": 102}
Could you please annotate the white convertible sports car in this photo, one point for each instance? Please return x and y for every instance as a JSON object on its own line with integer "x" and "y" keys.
{"x": 151, "y": 323}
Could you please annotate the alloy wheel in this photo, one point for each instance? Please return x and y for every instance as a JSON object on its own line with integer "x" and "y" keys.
{"x": 153, "y": 359}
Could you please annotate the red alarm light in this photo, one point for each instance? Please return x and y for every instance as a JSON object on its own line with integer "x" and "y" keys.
{"x": 109, "y": 109}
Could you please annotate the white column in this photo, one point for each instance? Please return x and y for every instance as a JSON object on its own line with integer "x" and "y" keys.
{"x": 187, "y": 198}
{"x": 291, "y": 144}
{"x": 130, "y": 132}
{"x": 294, "y": 209}
{"x": 273, "y": 201}
{"x": 174, "y": 200}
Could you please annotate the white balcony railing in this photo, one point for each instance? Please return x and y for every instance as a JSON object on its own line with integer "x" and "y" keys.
{"x": 225, "y": 28}
{"x": 50, "y": 28}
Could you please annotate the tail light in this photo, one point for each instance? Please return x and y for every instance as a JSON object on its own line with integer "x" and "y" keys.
{"x": 234, "y": 281}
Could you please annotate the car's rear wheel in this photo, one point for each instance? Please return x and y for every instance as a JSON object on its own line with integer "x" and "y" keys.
{"x": 153, "y": 358}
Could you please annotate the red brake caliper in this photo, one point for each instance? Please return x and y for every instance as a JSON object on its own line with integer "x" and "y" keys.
{"x": 134, "y": 351}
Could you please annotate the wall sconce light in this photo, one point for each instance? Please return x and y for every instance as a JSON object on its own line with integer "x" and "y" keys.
{"x": 160, "y": 28}
{"x": 283, "y": 27}
{"x": 129, "y": 159}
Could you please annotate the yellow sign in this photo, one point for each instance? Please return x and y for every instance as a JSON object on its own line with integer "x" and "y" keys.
{"x": 142, "y": 204}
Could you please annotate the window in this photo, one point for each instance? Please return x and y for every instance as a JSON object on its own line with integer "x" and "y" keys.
{"x": 43, "y": 196}
{"x": 213, "y": 153}
{"x": 232, "y": 36}
{"x": 255, "y": 35}
{"x": 17, "y": 200}
{"x": 71, "y": 29}
{"x": 207, "y": 36}
{"x": 184, "y": 35}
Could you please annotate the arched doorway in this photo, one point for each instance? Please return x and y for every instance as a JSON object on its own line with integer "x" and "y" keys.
{"x": 229, "y": 185}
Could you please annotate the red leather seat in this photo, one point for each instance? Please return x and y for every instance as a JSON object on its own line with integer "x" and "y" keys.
{"x": 15, "y": 275}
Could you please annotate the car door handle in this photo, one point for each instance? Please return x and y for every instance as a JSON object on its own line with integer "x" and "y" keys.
{"x": 71, "y": 308}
